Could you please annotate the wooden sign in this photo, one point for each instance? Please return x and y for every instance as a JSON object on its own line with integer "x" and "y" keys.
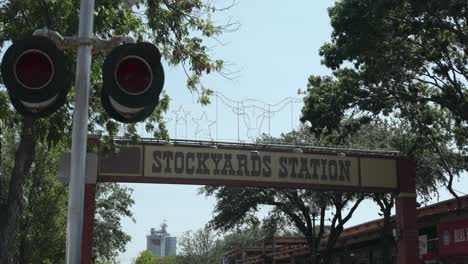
{"x": 250, "y": 166}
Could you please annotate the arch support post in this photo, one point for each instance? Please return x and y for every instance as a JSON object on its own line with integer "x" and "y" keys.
{"x": 406, "y": 231}
{"x": 88, "y": 224}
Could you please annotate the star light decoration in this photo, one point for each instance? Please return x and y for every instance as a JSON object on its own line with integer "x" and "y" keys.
{"x": 180, "y": 118}
{"x": 203, "y": 126}
{"x": 181, "y": 115}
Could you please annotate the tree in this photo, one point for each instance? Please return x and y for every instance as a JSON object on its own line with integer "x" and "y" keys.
{"x": 145, "y": 257}
{"x": 429, "y": 171}
{"x": 167, "y": 260}
{"x": 403, "y": 59}
{"x": 42, "y": 225}
{"x": 236, "y": 206}
{"x": 40, "y": 229}
{"x": 289, "y": 207}
{"x": 200, "y": 247}
{"x": 244, "y": 237}
{"x": 178, "y": 28}
{"x": 113, "y": 201}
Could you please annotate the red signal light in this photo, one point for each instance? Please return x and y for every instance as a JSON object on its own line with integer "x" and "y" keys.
{"x": 35, "y": 73}
{"x": 133, "y": 75}
{"x": 132, "y": 80}
{"x": 34, "y": 69}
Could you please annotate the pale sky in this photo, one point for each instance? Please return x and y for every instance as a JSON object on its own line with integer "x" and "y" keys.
{"x": 276, "y": 50}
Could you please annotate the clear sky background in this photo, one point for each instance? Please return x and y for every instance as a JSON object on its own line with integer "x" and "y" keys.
{"x": 275, "y": 51}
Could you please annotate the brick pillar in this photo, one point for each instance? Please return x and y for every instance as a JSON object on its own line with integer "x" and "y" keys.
{"x": 88, "y": 224}
{"x": 408, "y": 249}
{"x": 273, "y": 244}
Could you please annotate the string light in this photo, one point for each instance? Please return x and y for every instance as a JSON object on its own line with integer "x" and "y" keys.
{"x": 204, "y": 131}
{"x": 252, "y": 116}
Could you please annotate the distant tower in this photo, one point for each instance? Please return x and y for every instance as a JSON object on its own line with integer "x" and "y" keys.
{"x": 160, "y": 243}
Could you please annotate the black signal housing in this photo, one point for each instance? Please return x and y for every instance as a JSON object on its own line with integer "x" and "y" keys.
{"x": 133, "y": 79}
{"x": 35, "y": 74}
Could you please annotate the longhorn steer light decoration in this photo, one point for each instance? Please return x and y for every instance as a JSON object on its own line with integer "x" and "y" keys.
{"x": 35, "y": 73}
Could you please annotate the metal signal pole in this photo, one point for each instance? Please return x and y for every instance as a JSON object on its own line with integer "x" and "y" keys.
{"x": 79, "y": 133}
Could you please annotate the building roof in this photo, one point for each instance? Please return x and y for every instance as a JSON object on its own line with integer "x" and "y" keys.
{"x": 443, "y": 207}
{"x": 296, "y": 246}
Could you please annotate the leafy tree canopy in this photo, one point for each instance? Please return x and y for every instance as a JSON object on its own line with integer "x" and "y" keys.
{"x": 402, "y": 59}
{"x": 41, "y": 229}
{"x": 403, "y": 51}
{"x": 244, "y": 237}
{"x": 200, "y": 247}
{"x": 145, "y": 257}
{"x": 113, "y": 202}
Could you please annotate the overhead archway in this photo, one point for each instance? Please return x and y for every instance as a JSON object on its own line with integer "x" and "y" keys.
{"x": 272, "y": 166}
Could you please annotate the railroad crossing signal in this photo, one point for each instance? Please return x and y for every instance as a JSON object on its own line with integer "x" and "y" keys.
{"x": 133, "y": 79}
{"x": 36, "y": 76}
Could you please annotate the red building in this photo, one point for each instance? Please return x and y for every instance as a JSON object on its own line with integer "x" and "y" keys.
{"x": 442, "y": 230}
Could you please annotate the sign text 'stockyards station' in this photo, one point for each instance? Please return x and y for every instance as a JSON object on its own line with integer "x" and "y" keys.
{"x": 250, "y": 166}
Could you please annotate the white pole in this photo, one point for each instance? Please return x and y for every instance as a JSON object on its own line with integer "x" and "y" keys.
{"x": 79, "y": 134}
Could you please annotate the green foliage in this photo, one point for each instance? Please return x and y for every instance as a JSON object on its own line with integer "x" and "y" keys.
{"x": 402, "y": 137}
{"x": 166, "y": 260}
{"x": 42, "y": 225}
{"x": 8, "y": 144}
{"x": 41, "y": 230}
{"x": 244, "y": 237}
{"x": 113, "y": 202}
{"x": 200, "y": 247}
{"x": 405, "y": 60}
{"x": 145, "y": 257}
